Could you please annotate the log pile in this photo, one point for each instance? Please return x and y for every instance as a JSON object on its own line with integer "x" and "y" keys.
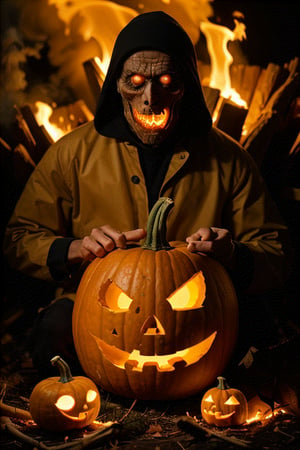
{"x": 269, "y": 93}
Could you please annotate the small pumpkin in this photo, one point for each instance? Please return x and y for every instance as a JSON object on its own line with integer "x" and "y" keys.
{"x": 224, "y": 406}
{"x": 64, "y": 403}
{"x": 155, "y": 322}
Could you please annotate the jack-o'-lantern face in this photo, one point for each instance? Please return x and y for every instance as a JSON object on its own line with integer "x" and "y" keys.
{"x": 154, "y": 322}
{"x": 188, "y": 297}
{"x": 78, "y": 408}
{"x": 223, "y": 406}
{"x": 65, "y": 402}
{"x": 151, "y": 88}
{"x": 149, "y": 333}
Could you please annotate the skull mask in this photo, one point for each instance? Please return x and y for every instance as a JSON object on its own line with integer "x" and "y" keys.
{"x": 151, "y": 88}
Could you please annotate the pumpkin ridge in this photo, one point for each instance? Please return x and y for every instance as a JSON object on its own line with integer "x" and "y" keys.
{"x": 176, "y": 264}
{"x": 174, "y": 328}
{"x": 222, "y": 287}
{"x": 112, "y": 273}
{"x": 138, "y": 257}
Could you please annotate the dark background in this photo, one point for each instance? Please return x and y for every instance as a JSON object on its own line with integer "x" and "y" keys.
{"x": 272, "y": 28}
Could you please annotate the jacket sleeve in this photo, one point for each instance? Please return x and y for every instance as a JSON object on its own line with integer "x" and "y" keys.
{"x": 41, "y": 216}
{"x": 257, "y": 224}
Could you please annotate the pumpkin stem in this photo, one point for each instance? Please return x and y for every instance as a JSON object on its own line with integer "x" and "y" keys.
{"x": 64, "y": 369}
{"x": 222, "y": 383}
{"x": 156, "y": 225}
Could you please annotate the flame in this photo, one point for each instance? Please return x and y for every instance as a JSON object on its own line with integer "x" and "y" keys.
{"x": 42, "y": 116}
{"x": 217, "y": 38}
{"x": 260, "y": 416}
{"x": 103, "y": 63}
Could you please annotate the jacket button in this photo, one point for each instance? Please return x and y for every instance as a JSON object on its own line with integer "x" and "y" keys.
{"x": 135, "y": 179}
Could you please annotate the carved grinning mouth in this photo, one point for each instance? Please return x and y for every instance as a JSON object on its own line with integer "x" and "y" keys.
{"x": 152, "y": 121}
{"x": 81, "y": 416}
{"x": 163, "y": 363}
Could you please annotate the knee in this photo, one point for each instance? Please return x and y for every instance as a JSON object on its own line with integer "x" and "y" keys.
{"x": 52, "y": 335}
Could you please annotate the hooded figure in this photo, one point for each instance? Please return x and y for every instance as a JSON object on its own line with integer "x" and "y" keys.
{"x": 153, "y": 31}
{"x": 93, "y": 189}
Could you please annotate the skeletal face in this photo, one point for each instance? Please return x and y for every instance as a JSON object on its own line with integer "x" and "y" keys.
{"x": 151, "y": 88}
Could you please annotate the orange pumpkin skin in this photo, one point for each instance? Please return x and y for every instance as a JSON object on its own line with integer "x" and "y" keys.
{"x": 223, "y": 406}
{"x": 148, "y": 277}
{"x": 44, "y": 403}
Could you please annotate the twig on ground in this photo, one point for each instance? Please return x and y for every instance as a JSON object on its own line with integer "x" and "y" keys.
{"x": 98, "y": 437}
{"x": 128, "y": 412}
{"x": 189, "y": 425}
{"x": 12, "y": 411}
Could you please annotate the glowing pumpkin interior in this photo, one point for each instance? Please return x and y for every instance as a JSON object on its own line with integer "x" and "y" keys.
{"x": 155, "y": 322}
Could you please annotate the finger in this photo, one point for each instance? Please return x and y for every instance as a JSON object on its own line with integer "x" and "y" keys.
{"x": 203, "y": 234}
{"x": 201, "y": 247}
{"x": 91, "y": 248}
{"x": 135, "y": 235}
{"x": 113, "y": 238}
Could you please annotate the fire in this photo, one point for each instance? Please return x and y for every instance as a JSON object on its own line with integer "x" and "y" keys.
{"x": 217, "y": 37}
{"x": 43, "y": 114}
{"x": 103, "y": 64}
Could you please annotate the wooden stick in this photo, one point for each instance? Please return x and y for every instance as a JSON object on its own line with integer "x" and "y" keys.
{"x": 12, "y": 411}
{"x": 7, "y": 425}
{"x": 99, "y": 437}
{"x": 189, "y": 425}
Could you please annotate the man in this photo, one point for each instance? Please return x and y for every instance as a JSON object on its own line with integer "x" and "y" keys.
{"x": 152, "y": 136}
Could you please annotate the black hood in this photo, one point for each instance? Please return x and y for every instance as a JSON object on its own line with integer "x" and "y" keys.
{"x": 152, "y": 31}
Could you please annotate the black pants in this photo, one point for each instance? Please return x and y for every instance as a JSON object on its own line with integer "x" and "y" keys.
{"x": 52, "y": 333}
{"x": 51, "y": 336}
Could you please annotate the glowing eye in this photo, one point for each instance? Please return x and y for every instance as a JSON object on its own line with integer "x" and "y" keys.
{"x": 165, "y": 79}
{"x": 137, "y": 79}
{"x": 112, "y": 297}
{"x": 65, "y": 402}
{"x": 91, "y": 395}
{"x": 232, "y": 401}
{"x": 209, "y": 399}
{"x": 190, "y": 295}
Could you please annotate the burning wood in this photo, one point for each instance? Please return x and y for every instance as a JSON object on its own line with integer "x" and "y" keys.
{"x": 95, "y": 76}
{"x": 230, "y": 118}
{"x": 33, "y": 136}
{"x": 40, "y": 125}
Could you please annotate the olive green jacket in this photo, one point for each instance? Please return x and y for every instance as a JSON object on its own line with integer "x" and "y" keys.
{"x": 86, "y": 180}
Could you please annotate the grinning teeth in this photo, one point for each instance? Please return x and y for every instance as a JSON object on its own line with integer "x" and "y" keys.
{"x": 152, "y": 121}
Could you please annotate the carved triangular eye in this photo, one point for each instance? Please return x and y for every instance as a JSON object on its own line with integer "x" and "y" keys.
{"x": 209, "y": 399}
{"x": 190, "y": 295}
{"x": 113, "y": 298}
{"x": 232, "y": 400}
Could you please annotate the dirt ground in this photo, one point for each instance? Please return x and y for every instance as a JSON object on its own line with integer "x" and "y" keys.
{"x": 141, "y": 425}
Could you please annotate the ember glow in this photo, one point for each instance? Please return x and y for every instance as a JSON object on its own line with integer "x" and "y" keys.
{"x": 43, "y": 115}
{"x": 217, "y": 38}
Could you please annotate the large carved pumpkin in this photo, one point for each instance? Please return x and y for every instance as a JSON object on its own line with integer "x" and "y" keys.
{"x": 155, "y": 322}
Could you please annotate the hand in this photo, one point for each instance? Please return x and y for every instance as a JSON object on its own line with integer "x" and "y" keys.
{"x": 100, "y": 242}
{"x": 215, "y": 242}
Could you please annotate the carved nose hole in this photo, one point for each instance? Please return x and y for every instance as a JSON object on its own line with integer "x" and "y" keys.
{"x": 146, "y": 102}
{"x": 152, "y": 327}
{"x": 114, "y": 331}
